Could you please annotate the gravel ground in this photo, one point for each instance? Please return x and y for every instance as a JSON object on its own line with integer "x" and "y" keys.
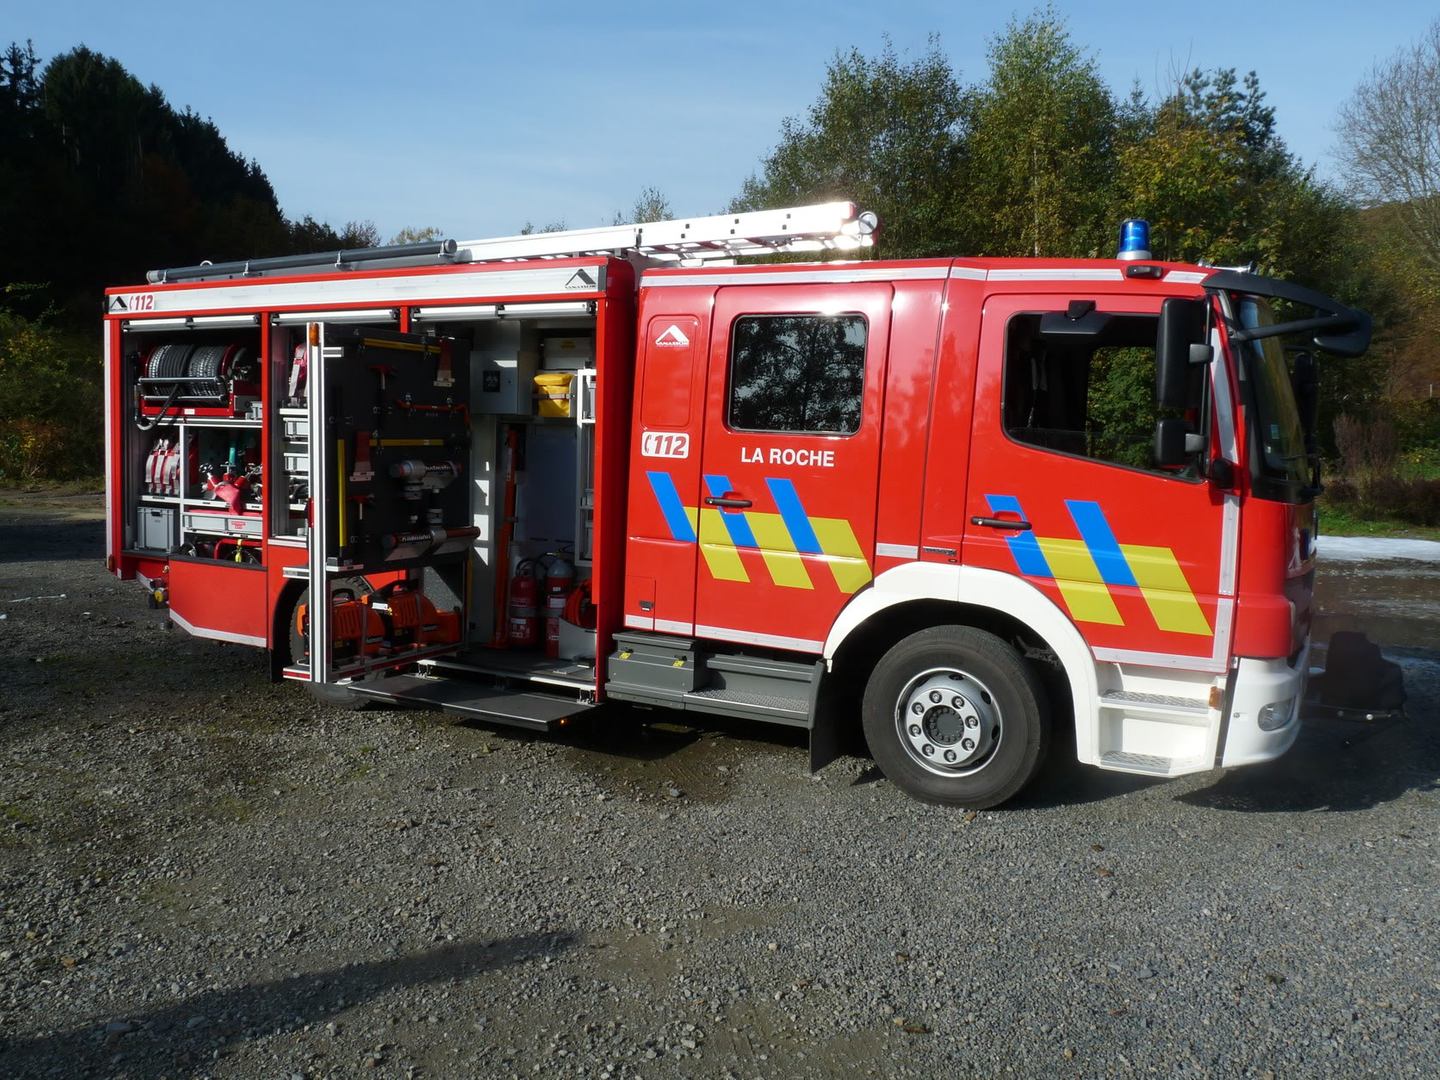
{"x": 206, "y": 875}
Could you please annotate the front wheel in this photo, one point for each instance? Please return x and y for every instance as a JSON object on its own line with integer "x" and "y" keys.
{"x": 953, "y": 716}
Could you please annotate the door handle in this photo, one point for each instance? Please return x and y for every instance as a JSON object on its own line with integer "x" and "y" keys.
{"x": 1002, "y": 523}
{"x": 735, "y": 504}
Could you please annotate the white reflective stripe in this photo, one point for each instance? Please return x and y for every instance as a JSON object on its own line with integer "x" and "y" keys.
{"x": 672, "y": 626}
{"x": 746, "y": 637}
{"x": 109, "y": 445}
{"x": 287, "y": 541}
{"x": 639, "y": 622}
{"x": 218, "y": 635}
{"x": 1057, "y": 274}
{"x": 1229, "y": 543}
{"x": 898, "y": 551}
{"x": 1224, "y": 621}
{"x": 1230, "y": 447}
{"x": 1224, "y": 406}
{"x": 652, "y": 280}
{"x": 1188, "y": 277}
{"x": 361, "y": 287}
{"x": 969, "y": 273}
{"x": 1166, "y": 660}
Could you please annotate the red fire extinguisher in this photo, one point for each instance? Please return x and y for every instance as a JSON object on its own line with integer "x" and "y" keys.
{"x": 524, "y": 605}
{"x": 559, "y": 579}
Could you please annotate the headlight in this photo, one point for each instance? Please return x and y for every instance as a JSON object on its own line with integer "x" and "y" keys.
{"x": 1276, "y": 715}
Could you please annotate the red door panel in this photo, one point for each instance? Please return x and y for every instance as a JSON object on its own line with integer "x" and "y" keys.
{"x": 1133, "y": 554}
{"x": 665, "y": 461}
{"x": 784, "y": 508}
{"x": 222, "y": 600}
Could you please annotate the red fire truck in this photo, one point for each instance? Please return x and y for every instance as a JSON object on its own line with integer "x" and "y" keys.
{"x": 518, "y": 478}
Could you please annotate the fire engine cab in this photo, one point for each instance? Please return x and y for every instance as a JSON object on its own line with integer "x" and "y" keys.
{"x": 956, "y": 504}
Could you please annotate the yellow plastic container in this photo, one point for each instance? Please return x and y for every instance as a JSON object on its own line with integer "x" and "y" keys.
{"x": 552, "y": 393}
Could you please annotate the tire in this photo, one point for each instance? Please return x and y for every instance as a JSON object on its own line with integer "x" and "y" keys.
{"x": 335, "y": 695}
{"x": 953, "y": 716}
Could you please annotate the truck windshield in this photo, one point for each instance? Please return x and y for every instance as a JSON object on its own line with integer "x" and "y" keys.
{"x": 1278, "y": 441}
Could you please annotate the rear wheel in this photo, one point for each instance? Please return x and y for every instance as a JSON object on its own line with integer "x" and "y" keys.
{"x": 953, "y": 716}
{"x": 336, "y": 695}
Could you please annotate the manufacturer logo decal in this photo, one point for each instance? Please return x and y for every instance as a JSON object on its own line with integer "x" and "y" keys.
{"x": 581, "y": 280}
{"x": 674, "y": 337}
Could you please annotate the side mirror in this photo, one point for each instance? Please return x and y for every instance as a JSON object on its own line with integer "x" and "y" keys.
{"x": 1180, "y": 353}
{"x": 1352, "y": 344}
{"x": 1174, "y": 445}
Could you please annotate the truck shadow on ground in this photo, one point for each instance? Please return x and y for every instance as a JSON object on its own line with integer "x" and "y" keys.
{"x": 1322, "y": 773}
{"x": 39, "y": 539}
{"x": 664, "y": 750}
{"x": 182, "y": 1039}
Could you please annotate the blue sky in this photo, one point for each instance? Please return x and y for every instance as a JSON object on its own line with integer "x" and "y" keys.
{"x": 477, "y": 117}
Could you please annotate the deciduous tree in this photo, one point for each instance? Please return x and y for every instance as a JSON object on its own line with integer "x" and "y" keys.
{"x": 1039, "y": 159}
{"x": 1389, "y": 142}
{"x": 885, "y": 132}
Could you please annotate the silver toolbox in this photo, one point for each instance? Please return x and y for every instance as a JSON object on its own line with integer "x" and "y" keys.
{"x": 155, "y": 528}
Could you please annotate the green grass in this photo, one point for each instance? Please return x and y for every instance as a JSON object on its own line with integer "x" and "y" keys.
{"x": 1342, "y": 519}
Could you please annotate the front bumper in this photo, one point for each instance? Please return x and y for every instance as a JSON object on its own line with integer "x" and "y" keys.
{"x": 1256, "y": 684}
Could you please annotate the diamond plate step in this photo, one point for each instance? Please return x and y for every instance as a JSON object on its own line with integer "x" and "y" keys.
{"x": 1137, "y": 763}
{"x": 1188, "y": 709}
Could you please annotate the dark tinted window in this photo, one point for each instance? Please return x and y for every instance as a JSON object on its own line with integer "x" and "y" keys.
{"x": 802, "y": 373}
{"x": 1091, "y": 396}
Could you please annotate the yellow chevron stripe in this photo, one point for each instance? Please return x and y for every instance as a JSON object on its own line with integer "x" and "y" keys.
{"x": 1079, "y": 580}
{"x": 717, "y": 547}
{"x": 786, "y": 566}
{"x": 842, "y": 553}
{"x": 1162, "y": 583}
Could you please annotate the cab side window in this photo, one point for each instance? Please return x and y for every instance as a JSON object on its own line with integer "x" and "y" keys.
{"x": 1087, "y": 394}
{"x": 802, "y": 373}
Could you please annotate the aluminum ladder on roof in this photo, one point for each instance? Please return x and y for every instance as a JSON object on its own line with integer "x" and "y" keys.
{"x": 833, "y": 226}
{"x": 822, "y": 227}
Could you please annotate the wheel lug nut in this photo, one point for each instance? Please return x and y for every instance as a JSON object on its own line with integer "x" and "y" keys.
{"x": 928, "y": 750}
{"x": 917, "y": 708}
{"x": 956, "y": 703}
{"x": 968, "y": 744}
{"x": 935, "y": 696}
{"x": 972, "y": 721}
{"x": 950, "y": 756}
{"x": 915, "y": 730}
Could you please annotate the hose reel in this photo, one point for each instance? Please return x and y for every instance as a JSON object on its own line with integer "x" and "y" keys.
{"x": 197, "y": 374}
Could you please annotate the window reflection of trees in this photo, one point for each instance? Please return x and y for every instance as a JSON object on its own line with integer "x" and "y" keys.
{"x": 797, "y": 373}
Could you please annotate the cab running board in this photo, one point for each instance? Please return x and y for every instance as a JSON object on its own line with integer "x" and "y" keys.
{"x": 493, "y": 704}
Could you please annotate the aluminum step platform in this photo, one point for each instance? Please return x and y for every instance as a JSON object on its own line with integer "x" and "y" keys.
{"x": 517, "y": 708}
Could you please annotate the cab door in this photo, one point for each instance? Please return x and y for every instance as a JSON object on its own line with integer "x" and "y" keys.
{"x": 790, "y": 459}
{"x": 1064, "y": 491}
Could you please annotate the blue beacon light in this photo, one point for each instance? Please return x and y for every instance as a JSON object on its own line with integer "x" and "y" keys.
{"x": 1134, "y": 239}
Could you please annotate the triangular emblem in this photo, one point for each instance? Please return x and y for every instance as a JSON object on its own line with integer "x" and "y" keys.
{"x": 117, "y": 303}
{"x": 580, "y": 280}
{"x": 673, "y": 336}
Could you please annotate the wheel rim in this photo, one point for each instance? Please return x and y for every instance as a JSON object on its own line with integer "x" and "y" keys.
{"x": 948, "y": 722}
